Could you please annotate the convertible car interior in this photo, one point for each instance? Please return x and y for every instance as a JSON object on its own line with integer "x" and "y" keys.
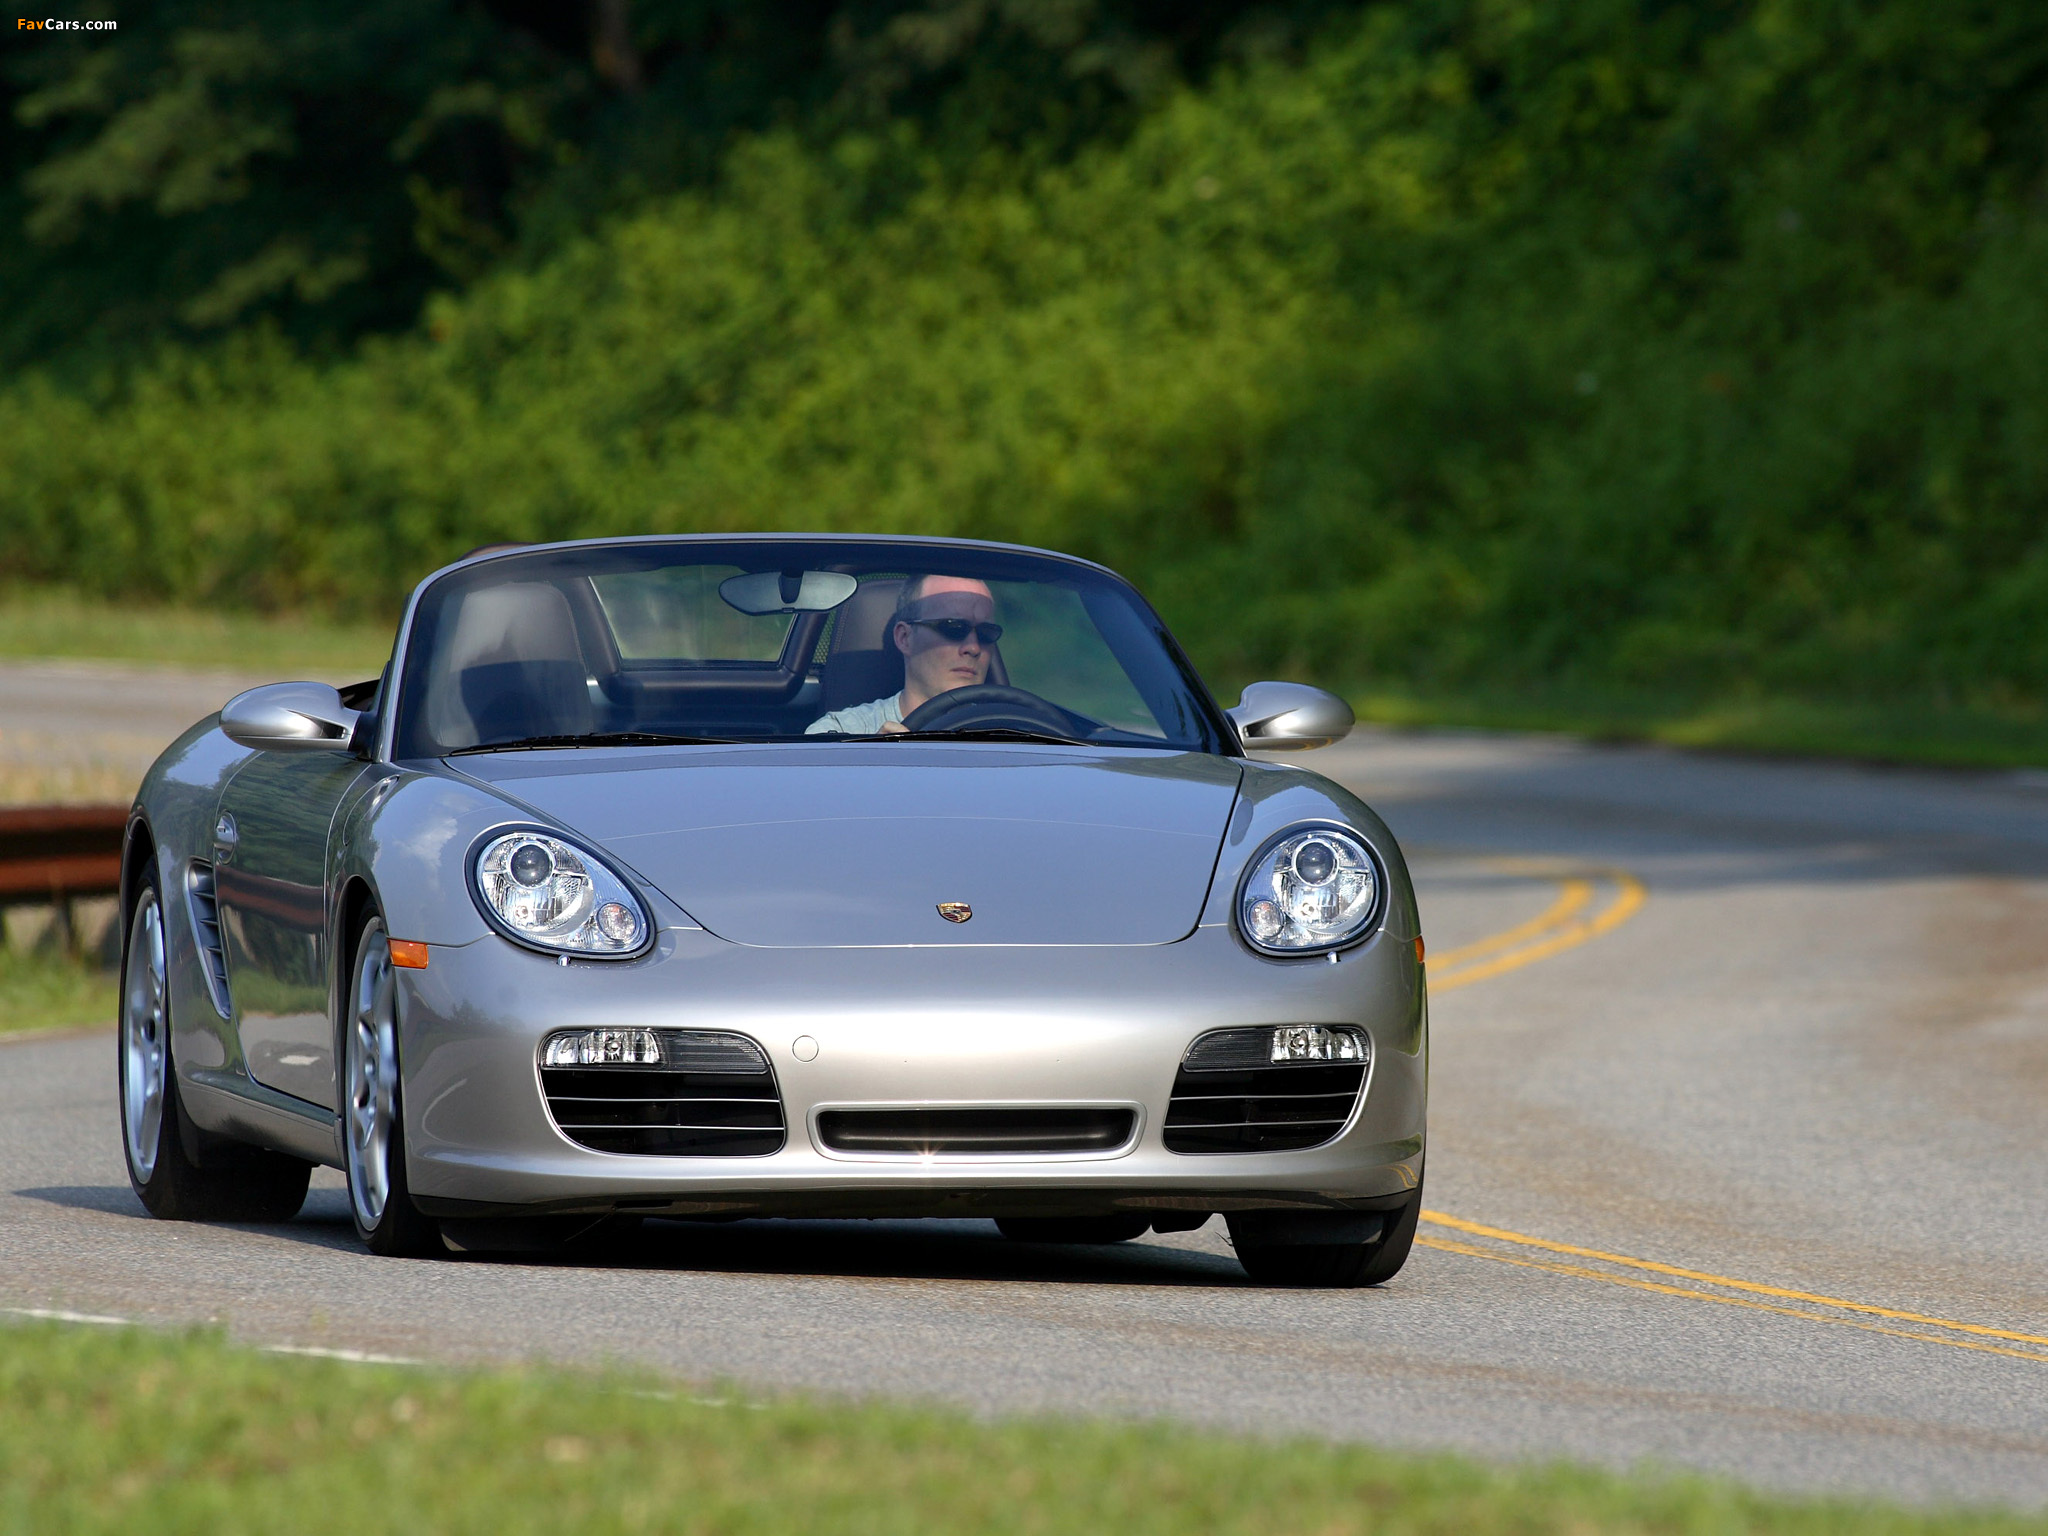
{"x": 567, "y": 654}
{"x": 543, "y": 659}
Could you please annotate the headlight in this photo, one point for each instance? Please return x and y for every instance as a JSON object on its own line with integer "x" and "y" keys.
{"x": 546, "y": 893}
{"x": 1308, "y": 891}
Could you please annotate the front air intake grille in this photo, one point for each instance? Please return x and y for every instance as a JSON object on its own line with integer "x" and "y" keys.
{"x": 1230, "y": 1096}
{"x": 711, "y": 1095}
{"x": 206, "y": 928}
{"x": 977, "y": 1131}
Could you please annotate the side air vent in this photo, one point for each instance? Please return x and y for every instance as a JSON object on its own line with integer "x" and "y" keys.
{"x": 1270, "y": 1089}
{"x": 977, "y": 1131}
{"x": 206, "y": 927}
{"x": 663, "y": 1092}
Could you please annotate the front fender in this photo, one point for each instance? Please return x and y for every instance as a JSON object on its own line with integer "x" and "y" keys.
{"x": 409, "y": 836}
{"x": 176, "y": 804}
{"x": 1275, "y": 796}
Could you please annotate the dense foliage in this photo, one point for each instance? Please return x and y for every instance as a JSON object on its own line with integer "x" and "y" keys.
{"x": 1687, "y": 345}
{"x": 324, "y": 167}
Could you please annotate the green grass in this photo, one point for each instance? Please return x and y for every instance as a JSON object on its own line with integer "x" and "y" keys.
{"x": 41, "y": 621}
{"x": 125, "y": 1430}
{"x": 39, "y": 990}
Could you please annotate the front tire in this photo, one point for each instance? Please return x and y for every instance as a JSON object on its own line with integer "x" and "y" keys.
{"x": 1325, "y": 1265}
{"x": 373, "y": 1109}
{"x": 161, "y": 1146}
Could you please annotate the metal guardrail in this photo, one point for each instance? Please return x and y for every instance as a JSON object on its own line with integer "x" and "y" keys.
{"x": 55, "y": 853}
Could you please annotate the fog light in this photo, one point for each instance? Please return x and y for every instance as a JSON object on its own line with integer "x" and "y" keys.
{"x": 617, "y": 922}
{"x": 603, "y": 1048}
{"x": 1315, "y": 1042}
{"x": 1265, "y": 920}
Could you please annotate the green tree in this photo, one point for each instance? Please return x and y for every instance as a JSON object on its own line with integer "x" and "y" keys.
{"x": 324, "y": 167}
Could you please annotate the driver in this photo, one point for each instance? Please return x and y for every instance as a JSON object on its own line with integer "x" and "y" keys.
{"x": 943, "y": 626}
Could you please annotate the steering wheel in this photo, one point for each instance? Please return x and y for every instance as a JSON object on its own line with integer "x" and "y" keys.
{"x": 989, "y": 706}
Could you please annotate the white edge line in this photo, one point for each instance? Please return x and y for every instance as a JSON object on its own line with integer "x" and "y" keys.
{"x": 56, "y": 1315}
{"x": 353, "y": 1356}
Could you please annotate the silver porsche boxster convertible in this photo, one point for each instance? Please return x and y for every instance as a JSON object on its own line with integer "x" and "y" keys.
{"x": 704, "y": 878}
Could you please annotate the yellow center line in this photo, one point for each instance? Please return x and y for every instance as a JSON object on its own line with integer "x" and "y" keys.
{"x": 1559, "y": 929}
{"x": 1572, "y": 895}
{"x": 1499, "y": 1234}
{"x": 1579, "y": 1273}
{"x": 1628, "y": 900}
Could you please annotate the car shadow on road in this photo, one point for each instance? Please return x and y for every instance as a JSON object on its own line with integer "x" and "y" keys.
{"x": 323, "y": 1222}
{"x": 930, "y": 1250}
{"x": 934, "y": 1249}
{"x": 107, "y": 1199}
{"x": 910, "y": 1250}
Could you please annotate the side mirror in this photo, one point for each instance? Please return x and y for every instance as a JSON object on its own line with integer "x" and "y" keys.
{"x": 290, "y": 717}
{"x": 1281, "y": 717}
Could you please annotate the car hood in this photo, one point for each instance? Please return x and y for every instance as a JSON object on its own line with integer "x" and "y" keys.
{"x": 857, "y": 844}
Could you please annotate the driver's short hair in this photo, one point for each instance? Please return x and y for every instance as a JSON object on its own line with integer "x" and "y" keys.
{"x": 906, "y": 598}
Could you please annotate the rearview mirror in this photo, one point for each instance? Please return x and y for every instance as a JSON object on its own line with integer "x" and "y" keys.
{"x": 1281, "y": 717}
{"x": 787, "y": 591}
{"x": 290, "y": 717}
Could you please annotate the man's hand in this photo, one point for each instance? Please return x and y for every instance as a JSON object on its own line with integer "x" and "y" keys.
{"x": 894, "y": 728}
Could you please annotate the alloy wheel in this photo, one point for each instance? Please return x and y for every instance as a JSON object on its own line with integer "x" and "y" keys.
{"x": 372, "y": 1069}
{"x": 145, "y": 1039}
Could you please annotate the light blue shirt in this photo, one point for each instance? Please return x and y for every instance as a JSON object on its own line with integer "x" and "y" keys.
{"x": 860, "y": 719}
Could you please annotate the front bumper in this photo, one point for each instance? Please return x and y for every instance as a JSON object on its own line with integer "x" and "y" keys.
{"x": 944, "y": 1025}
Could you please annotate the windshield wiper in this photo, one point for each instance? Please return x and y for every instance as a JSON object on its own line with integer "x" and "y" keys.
{"x": 992, "y": 733}
{"x": 590, "y": 739}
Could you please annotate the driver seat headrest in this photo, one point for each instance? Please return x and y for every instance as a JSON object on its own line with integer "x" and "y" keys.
{"x": 861, "y": 662}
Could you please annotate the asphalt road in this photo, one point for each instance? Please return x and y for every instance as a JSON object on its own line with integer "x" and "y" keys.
{"x": 1737, "y": 1164}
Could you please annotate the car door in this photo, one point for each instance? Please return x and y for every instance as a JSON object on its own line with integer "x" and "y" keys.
{"x": 271, "y": 834}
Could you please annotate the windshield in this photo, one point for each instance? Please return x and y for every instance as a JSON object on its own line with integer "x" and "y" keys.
{"x": 820, "y": 640}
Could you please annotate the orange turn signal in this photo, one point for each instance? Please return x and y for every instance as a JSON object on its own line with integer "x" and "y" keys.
{"x": 409, "y": 953}
{"x": 1418, "y": 950}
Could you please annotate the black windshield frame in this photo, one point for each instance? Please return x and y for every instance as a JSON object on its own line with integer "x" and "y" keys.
{"x": 1133, "y": 632}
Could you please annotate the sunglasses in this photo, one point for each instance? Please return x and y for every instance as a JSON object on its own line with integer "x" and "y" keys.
{"x": 957, "y": 630}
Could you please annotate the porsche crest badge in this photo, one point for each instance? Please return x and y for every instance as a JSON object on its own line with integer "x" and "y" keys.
{"x": 955, "y": 911}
